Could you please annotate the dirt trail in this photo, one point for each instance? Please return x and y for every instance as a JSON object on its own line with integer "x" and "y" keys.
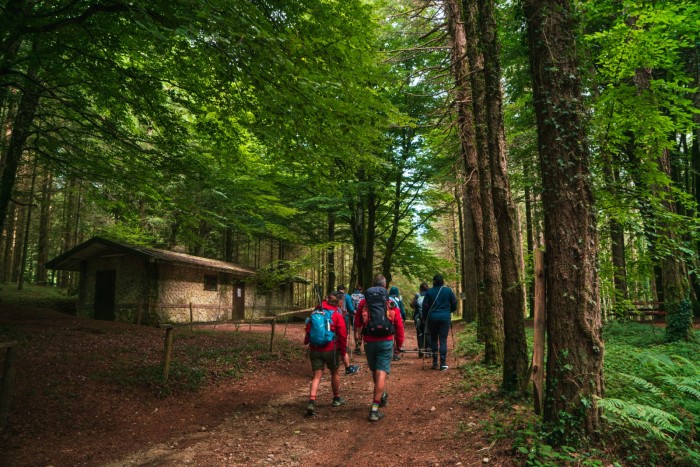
{"x": 422, "y": 424}
{"x": 65, "y": 414}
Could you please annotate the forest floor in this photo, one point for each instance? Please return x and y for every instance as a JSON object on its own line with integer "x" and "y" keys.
{"x": 74, "y": 403}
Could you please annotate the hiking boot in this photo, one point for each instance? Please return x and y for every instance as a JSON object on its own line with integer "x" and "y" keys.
{"x": 420, "y": 354}
{"x": 385, "y": 398}
{"x": 338, "y": 401}
{"x": 375, "y": 415}
{"x": 435, "y": 366}
{"x": 443, "y": 367}
{"x": 397, "y": 357}
{"x": 352, "y": 369}
{"x": 358, "y": 351}
{"x": 311, "y": 408}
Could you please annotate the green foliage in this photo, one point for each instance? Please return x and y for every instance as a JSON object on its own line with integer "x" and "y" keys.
{"x": 652, "y": 393}
{"x": 679, "y": 320}
{"x": 655, "y": 422}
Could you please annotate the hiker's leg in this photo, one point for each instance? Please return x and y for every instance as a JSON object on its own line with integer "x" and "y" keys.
{"x": 444, "y": 330}
{"x": 315, "y": 382}
{"x": 335, "y": 381}
{"x": 383, "y": 354}
{"x": 434, "y": 339}
{"x": 379, "y": 377}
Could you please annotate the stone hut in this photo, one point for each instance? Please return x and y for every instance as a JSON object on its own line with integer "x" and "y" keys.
{"x": 136, "y": 284}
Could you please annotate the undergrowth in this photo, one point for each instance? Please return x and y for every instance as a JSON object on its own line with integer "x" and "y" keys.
{"x": 199, "y": 358}
{"x": 651, "y": 408}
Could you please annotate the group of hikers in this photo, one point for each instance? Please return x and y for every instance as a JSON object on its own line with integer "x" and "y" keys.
{"x": 376, "y": 319}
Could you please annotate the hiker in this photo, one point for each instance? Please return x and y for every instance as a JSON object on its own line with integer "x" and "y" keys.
{"x": 417, "y": 305}
{"x": 378, "y": 320}
{"x": 438, "y": 305}
{"x": 327, "y": 337}
{"x": 395, "y": 297}
{"x": 356, "y": 298}
{"x": 347, "y": 317}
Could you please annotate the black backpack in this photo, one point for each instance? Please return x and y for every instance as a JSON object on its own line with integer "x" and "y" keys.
{"x": 377, "y": 321}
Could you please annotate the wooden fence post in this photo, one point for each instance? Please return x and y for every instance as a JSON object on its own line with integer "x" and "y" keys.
{"x": 539, "y": 335}
{"x": 167, "y": 352}
{"x": 191, "y": 318}
{"x": 272, "y": 333}
{"x": 7, "y": 387}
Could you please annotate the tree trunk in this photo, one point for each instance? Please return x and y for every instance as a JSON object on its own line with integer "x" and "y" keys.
{"x": 679, "y": 311}
{"x": 9, "y": 245}
{"x": 472, "y": 246}
{"x": 530, "y": 239}
{"x": 68, "y": 221}
{"x": 515, "y": 363}
{"x": 27, "y": 229}
{"x": 330, "y": 254}
{"x": 357, "y": 227}
{"x": 575, "y": 348}
{"x": 493, "y": 332}
{"x": 406, "y": 139}
{"x": 21, "y": 128}
{"x": 370, "y": 235}
{"x": 44, "y": 228}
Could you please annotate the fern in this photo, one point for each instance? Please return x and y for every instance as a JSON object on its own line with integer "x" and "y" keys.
{"x": 642, "y": 384}
{"x": 655, "y": 422}
{"x": 689, "y": 385}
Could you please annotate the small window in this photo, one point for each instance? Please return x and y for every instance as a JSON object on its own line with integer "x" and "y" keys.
{"x": 211, "y": 282}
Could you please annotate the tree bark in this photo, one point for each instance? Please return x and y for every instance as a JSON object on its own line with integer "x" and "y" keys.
{"x": 27, "y": 228}
{"x": 472, "y": 245}
{"x": 515, "y": 362}
{"x": 617, "y": 238}
{"x": 679, "y": 311}
{"x": 387, "y": 263}
{"x": 330, "y": 254}
{"x": 21, "y": 128}
{"x": 370, "y": 236}
{"x": 530, "y": 239}
{"x": 492, "y": 327}
{"x": 575, "y": 348}
{"x": 9, "y": 245}
{"x": 44, "y": 228}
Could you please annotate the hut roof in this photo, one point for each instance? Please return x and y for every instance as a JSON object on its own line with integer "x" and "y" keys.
{"x": 98, "y": 246}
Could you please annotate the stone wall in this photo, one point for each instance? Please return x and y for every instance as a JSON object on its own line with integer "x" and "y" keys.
{"x": 169, "y": 289}
{"x": 182, "y": 286}
{"x": 130, "y": 289}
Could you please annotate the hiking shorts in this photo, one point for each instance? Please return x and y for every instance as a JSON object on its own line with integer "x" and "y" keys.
{"x": 379, "y": 355}
{"x": 330, "y": 359}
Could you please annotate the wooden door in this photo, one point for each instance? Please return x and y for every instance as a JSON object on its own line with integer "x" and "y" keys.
{"x": 105, "y": 287}
{"x": 238, "y": 301}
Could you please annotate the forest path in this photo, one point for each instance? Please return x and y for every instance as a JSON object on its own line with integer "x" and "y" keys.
{"x": 427, "y": 422}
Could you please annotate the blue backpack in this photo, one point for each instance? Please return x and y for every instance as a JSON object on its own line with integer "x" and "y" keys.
{"x": 320, "y": 330}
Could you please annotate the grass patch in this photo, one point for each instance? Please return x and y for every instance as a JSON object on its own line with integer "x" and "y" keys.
{"x": 36, "y": 295}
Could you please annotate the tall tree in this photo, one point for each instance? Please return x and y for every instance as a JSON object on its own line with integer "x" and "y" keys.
{"x": 574, "y": 347}
{"x": 515, "y": 364}
{"x": 492, "y": 319}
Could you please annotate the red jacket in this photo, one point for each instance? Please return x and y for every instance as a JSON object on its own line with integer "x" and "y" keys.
{"x": 337, "y": 326}
{"x": 397, "y": 321}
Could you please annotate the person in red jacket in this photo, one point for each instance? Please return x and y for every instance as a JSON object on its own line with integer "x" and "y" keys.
{"x": 379, "y": 346}
{"x": 329, "y": 355}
